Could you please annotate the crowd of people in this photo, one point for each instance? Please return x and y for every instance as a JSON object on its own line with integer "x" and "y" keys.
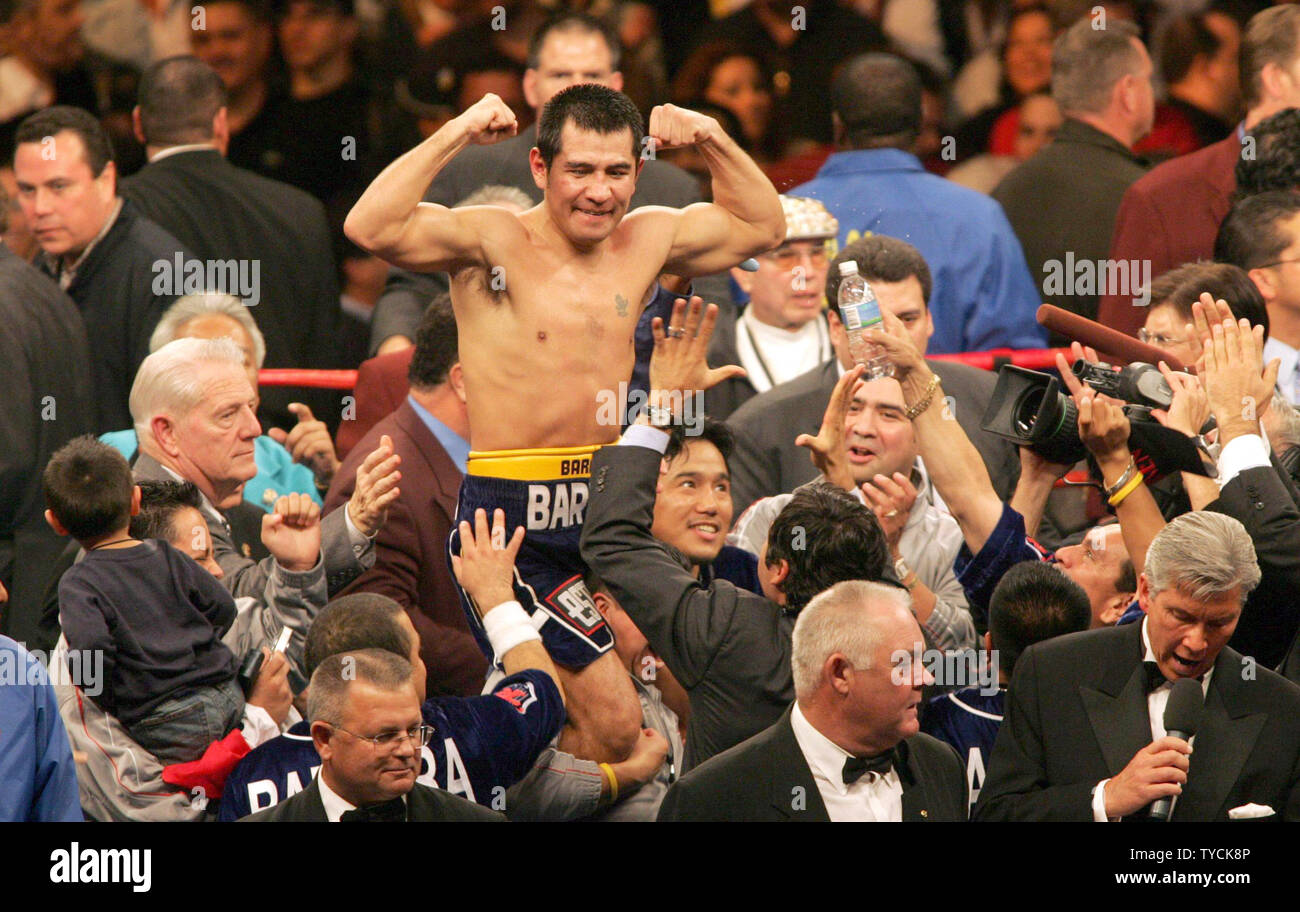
{"x": 587, "y": 507}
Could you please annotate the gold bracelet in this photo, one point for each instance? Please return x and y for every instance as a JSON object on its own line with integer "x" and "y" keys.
{"x": 613, "y": 781}
{"x": 926, "y": 399}
{"x": 1125, "y": 491}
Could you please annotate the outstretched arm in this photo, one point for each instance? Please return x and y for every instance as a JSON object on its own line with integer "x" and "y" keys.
{"x": 745, "y": 217}
{"x": 956, "y": 469}
{"x": 390, "y": 221}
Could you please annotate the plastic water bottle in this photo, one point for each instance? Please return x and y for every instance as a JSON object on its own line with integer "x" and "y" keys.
{"x": 860, "y": 311}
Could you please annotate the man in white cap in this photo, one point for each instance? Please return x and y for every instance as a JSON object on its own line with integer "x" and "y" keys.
{"x": 782, "y": 332}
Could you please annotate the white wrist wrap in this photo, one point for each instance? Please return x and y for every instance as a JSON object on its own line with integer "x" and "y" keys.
{"x": 507, "y": 625}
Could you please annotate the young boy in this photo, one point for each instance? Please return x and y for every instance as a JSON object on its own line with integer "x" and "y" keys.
{"x": 157, "y": 615}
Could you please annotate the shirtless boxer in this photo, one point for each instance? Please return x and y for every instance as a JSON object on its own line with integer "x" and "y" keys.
{"x": 546, "y": 304}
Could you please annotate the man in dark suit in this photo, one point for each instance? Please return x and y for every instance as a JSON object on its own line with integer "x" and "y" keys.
{"x": 98, "y": 247}
{"x": 768, "y": 463}
{"x": 568, "y": 49}
{"x": 276, "y": 235}
{"x": 729, "y": 648}
{"x": 430, "y": 432}
{"x": 1084, "y": 735}
{"x": 850, "y": 748}
{"x": 1171, "y": 215}
{"x": 355, "y": 698}
{"x": 1062, "y": 202}
{"x": 45, "y": 373}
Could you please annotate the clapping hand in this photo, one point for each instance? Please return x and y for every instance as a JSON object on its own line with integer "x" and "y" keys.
{"x": 376, "y": 488}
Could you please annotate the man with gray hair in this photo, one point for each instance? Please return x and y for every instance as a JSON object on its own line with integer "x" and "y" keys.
{"x": 193, "y": 408}
{"x": 1062, "y": 202}
{"x": 850, "y": 748}
{"x": 1084, "y": 736}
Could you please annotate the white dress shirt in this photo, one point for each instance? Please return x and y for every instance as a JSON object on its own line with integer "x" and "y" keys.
{"x": 1157, "y": 700}
{"x": 1288, "y": 377}
{"x": 873, "y": 798}
{"x": 335, "y": 805}
{"x": 771, "y": 355}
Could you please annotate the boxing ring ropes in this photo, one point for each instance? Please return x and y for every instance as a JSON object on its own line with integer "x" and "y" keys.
{"x": 1032, "y": 358}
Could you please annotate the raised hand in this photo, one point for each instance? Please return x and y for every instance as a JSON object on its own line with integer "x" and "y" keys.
{"x": 291, "y": 532}
{"x": 376, "y": 488}
{"x": 827, "y": 449}
{"x": 489, "y": 120}
{"x": 671, "y": 127}
{"x": 679, "y": 365}
{"x": 309, "y": 444}
{"x": 485, "y": 567}
{"x": 1238, "y": 387}
{"x": 1103, "y": 426}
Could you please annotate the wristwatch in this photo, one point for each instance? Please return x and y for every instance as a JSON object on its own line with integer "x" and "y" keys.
{"x": 659, "y": 416}
{"x": 901, "y": 569}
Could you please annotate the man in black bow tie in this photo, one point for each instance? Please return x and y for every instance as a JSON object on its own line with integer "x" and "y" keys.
{"x": 367, "y": 727}
{"x": 1084, "y": 734}
{"x": 849, "y": 749}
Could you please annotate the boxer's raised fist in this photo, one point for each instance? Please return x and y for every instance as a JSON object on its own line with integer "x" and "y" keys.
{"x": 489, "y": 120}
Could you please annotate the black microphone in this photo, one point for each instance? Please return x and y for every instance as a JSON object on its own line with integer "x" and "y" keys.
{"x": 1183, "y": 715}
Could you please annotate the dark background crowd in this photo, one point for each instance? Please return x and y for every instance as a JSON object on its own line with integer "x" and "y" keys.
{"x": 174, "y": 182}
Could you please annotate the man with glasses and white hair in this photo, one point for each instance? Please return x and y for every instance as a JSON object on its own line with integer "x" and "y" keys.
{"x": 850, "y": 747}
{"x": 1084, "y": 735}
{"x": 194, "y": 413}
{"x": 302, "y": 460}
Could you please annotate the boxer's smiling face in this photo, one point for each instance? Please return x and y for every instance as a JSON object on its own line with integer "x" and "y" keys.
{"x": 590, "y": 183}
{"x": 1187, "y": 633}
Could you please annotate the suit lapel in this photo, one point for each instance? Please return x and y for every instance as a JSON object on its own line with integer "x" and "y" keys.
{"x": 1223, "y": 743}
{"x": 917, "y": 804}
{"x": 790, "y": 771}
{"x": 1117, "y": 708}
{"x": 310, "y": 808}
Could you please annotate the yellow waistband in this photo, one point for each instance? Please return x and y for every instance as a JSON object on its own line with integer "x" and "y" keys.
{"x": 543, "y": 464}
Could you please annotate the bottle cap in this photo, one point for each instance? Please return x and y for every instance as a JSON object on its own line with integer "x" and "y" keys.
{"x": 848, "y": 268}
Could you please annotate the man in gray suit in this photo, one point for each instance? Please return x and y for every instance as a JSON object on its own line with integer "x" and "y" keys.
{"x": 727, "y": 647}
{"x": 193, "y": 412}
{"x": 767, "y": 462}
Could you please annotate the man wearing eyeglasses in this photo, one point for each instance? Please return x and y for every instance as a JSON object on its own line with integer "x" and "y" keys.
{"x": 367, "y": 727}
{"x": 782, "y": 332}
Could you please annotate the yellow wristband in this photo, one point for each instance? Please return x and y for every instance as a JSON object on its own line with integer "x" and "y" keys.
{"x": 613, "y": 781}
{"x": 1128, "y": 489}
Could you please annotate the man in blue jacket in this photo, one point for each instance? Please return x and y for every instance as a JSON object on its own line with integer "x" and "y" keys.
{"x": 983, "y": 296}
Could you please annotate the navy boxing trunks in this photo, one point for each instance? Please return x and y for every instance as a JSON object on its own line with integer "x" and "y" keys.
{"x": 545, "y": 491}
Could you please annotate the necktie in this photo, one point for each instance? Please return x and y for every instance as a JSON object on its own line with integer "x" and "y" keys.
{"x": 857, "y": 767}
{"x": 388, "y": 812}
